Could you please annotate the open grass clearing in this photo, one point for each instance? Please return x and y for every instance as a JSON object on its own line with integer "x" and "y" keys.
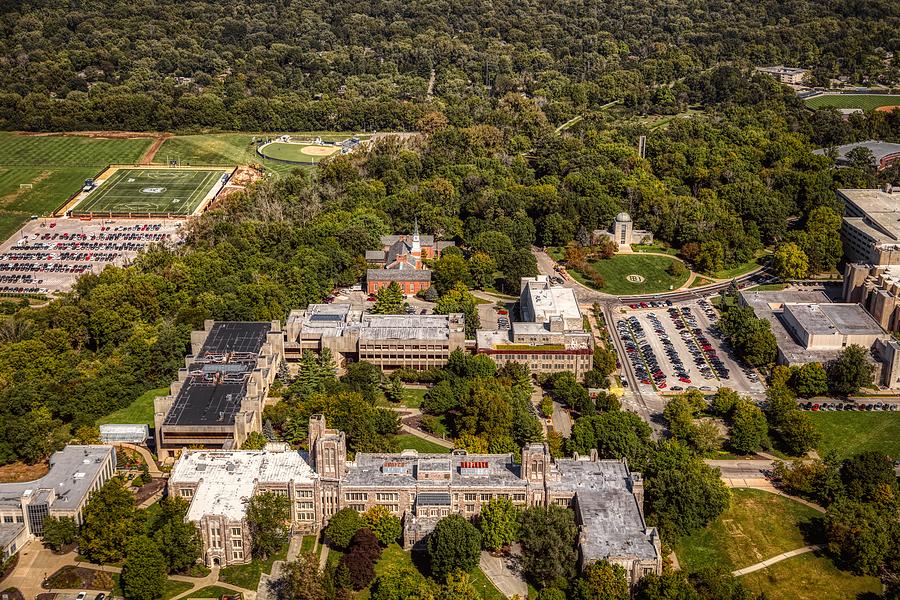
{"x": 616, "y": 270}
{"x": 210, "y": 591}
{"x": 849, "y": 432}
{"x": 742, "y": 268}
{"x": 411, "y": 442}
{"x": 139, "y": 412}
{"x": 757, "y": 526}
{"x": 247, "y": 576}
{"x": 864, "y": 101}
{"x": 810, "y": 576}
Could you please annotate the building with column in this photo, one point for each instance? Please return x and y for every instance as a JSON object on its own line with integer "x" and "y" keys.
{"x": 549, "y": 335}
{"x": 388, "y": 341}
{"x": 623, "y": 233}
{"x": 420, "y": 489}
{"x": 75, "y": 473}
{"x": 218, "y": 398}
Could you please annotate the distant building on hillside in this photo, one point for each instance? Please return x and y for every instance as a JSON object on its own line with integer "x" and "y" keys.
{"x": 792, "y": 75}
{"x": 550, "y": 335}
{"x": 622, "y": 232}
{"x": 402, "y": 259}
{"x": 218, "y": 398}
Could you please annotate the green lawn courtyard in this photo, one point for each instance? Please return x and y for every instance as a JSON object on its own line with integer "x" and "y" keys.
{"x": 848, "y": 433}
{"x": 758, "y": 526}
{"x": 411, "y": 442}
{"x": 247, "y": 576}
{"x": 630, "y": 274}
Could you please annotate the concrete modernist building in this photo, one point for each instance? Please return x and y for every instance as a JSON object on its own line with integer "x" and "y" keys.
{"x": 884, "y": 153}
{"x": 809, "y": 328}
{"x": 877, "y": 289}
{"x": 218, "y": 397}
{"x": 623, "y": 233}
{"x": 420, "y": 489}
{"x": 401, "y": 259}
{"x": 75, "y": 473}
{"x": 871, "y": 228}
{"x": 388, "y": 341}
{"x": 550, "y": 335}
{"x": 792, "y": 75}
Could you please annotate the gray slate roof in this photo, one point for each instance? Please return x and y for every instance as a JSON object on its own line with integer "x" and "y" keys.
{"x": 398, "y": 275}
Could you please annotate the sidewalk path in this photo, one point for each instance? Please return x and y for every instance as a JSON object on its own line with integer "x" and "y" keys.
{"x": 497, "y": 570}
{"x": 145, "y": 454}
{"x": 407, "y": 413}
{"x": 775, "y": 559}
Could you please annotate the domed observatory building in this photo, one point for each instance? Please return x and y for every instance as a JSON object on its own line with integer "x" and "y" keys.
{"x": 623, "y": 233}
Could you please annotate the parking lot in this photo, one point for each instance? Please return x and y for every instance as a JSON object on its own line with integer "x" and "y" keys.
{"x": 47, "y": 255}
{"x": 674, "y": 347}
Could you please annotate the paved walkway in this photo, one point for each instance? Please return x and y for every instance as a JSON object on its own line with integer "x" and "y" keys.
{"x": 771, "y": 561}
{"x": 145, "y": 454}
{"x": 498, "y": 570}
{"x": 415, "y": 412}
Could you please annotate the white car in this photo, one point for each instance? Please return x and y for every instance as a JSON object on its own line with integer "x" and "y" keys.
{"x": 81, "y": 596}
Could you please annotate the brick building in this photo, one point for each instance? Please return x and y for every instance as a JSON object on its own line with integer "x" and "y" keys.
{"x": 402, "y": 259}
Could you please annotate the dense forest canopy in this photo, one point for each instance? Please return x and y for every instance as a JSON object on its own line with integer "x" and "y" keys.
{"x": 346, "y": 64}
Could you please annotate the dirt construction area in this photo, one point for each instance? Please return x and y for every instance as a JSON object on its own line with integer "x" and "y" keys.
{"x": 46, "y": 256}
{"x": 676, "y": 348}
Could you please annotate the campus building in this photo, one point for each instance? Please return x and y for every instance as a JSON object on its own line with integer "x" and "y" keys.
{"x": 75, "y": 473}
{"x": 219, "y": 395}
{"x": 402, "y": 259}
{"x": 623, "y": 233}
{"x": 791, "y": 75}
{"x": 549, "y": 335}
{"x": 884, "y": 153}
{"x": 420, "y": 489}
{"x": 389, "y": 341}
{"x": 808, "y": 328}
{"x": 870, "y": 230}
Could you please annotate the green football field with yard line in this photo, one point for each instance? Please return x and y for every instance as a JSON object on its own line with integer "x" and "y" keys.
{"x": 866, "y": 102}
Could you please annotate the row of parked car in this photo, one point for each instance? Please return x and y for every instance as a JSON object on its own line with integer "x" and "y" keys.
{"x": 705, "y": 356}
{"x": 640, "y": 353}
{"x": 828, "y": 406}
{"x": 669, "y": 348}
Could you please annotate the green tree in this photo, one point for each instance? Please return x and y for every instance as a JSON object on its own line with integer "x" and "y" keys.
{"x": 144, "y": 570}
{"x": 749, "y": 429}
{"x": 301, "y": 579}
{"x": 679, "y": 417}
{"x": 863, "y": 536}
{"x": 87, "y": 435}
{"x": 724, "y": 401}
{"x": 482, "y": 268}
{"x": 255, "y": 441}
{"x": 107, "y": 523}
{"x": 459, "y": 299}
{"x": 798, "y": 434}
{"x": 453, "y": 545}
{"x": 810, "y": 380}
{"x": 869, "y": 476}
{"x": 383, "y": 524}
{"x": 780, "y": 404}
{"x": 790, "y": 262}
{"x": 389, "y": 300}
{"x": 850, "y": 371}
{"x": 450, "y": 270}
{"x": 604, "y": 360}
{"x": 616, "y": 434}
{"x": 393, "y": 389}
{"x": 499, "y": 523}
{"x": 59, "y": 532}
{"x": 548, "y": 542}
{"x": 175, "y": 536}
{"x": 602, "y": 581}
{"x": 683, "y": 493}
{"x": 399, "y": 583}
{"x": 268, "y": 514}
{"x": 342, "y": 526}
{"x": 671, "y": 584}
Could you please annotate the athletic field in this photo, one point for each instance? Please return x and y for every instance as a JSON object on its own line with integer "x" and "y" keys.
{"x": 156, "y": 191}
{"x": 866, "y": 102}
{"x": 297, "y": 152}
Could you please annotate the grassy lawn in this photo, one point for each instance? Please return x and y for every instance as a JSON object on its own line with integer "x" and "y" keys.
{"x": 484, "y": 586}
{"x": 700, "y": 281}
{"x": 863, "y": 101}
{"x": 654, "y": 247}
{"x": 247, "y": 576}
{"x": 412, "y": 442}
{"x": 770, "y": 287}
{"x": 810, "y": 577}
{"x": 651, "y": 268}
{"x": 138, "y": 412}
{"x": 210, "y": 591}
{"x": 308, "y": 543}
{"x": 413, "y": 397}
{"x": 758, "y": 526}
{"x": 848, "y": 433}
{"x": 741, "y": 269}
{"x": 392, "y": 556}
{"x": 56, "y": 167}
